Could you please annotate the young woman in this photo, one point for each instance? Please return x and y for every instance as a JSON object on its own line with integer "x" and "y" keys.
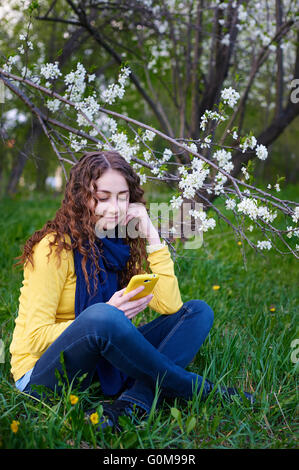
{"x": 74, "y": 317}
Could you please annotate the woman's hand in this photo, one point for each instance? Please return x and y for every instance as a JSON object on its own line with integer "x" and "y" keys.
{"x": 130, "y": 307}
{"x": 145, "y": 226}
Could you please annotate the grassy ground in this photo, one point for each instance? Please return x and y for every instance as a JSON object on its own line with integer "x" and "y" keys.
{"x": 249, "y": 346}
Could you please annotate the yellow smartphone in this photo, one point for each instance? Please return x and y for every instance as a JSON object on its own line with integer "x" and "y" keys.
{"x": 147, "y": 280}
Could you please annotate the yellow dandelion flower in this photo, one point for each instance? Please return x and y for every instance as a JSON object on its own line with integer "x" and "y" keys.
{"x": 239, "y": 243}
{"x": 94, "y": 418}
{"x": 73, "y": 399}
{"x": 15, "y": 426}
{"x": 272, "y": 308}
{"x": 216, "y": 287}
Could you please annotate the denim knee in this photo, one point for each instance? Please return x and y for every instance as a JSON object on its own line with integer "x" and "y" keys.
{"x": 105, "y": 319}
{"x": 203, "y": 309}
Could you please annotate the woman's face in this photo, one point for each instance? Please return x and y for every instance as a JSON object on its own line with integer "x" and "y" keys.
{"x": 113, "y": 199}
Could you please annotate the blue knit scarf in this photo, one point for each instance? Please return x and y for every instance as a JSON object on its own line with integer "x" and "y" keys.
{"x": 114, "y": 259}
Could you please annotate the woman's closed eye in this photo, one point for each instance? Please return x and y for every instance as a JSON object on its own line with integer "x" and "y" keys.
{"x": 107, "y": 199}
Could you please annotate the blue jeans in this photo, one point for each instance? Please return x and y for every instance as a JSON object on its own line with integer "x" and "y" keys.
{"x": 158, "y": 351}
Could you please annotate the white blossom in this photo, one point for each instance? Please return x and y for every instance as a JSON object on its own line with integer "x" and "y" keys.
{"x": 147, "y": 155}
{"x": 249, "y": 207}
{"x": 75, "y": 81}
{"x": 261, "y": 152}
{"x": 77, "y": 145}
{"x": 224, "y": 159}
{"x": 148, "y": 135}
{"x": 142, "y": 177}
{"x": 123, "y": 147}
{"x": 206, "y": 142}
{"x": 290, "y": 232}
{"x": 176, "y": 202}
{"x": 190, "y": 182}
{"x": 230, "y": 204}
{"x": 265, "y": 244}
{"x": 245, "y": 173}
{"x": 50, "y": 71}
{"x": 249, "y": 142}
{"x": 295, "y": 216}
{"x": 192, "y": 147}
{"x": 116, "y": 90}
{"x": 53, "y": 105}
{"x": 89, "y": 107}
{"x": 167, "y": 154}
{"x": 210, "y": 115}
{"x": 230, "y": 96}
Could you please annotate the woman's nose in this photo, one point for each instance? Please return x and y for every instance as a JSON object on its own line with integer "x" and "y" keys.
{"x": 113, "y": 207}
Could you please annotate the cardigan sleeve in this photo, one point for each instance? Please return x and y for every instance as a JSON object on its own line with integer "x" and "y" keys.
{"x": 42, "y": 291}
{"x": 167, "y": 297}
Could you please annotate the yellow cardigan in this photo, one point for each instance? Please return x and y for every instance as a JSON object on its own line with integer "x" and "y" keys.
{"x": 47, "y": 301}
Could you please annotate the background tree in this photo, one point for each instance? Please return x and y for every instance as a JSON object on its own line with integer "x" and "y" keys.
{"x": 185, "y": 61}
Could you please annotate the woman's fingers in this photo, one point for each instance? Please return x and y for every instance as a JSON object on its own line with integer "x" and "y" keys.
{"x": 139, "y": 305}
{"x": 131, "y": 294}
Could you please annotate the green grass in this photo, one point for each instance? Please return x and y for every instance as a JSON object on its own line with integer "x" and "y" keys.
{"x": 249, "y": 346}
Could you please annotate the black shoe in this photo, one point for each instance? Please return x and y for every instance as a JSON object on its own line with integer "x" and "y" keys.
{"x": 112, "y": 411}
{"x": 227, "y": 392}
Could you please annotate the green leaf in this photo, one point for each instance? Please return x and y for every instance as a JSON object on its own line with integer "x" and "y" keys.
{"x": 175, "y": 413}
{"x": 190, "y": 424}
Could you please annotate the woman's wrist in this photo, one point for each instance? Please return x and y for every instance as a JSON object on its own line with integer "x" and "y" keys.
{"x": 153, "y": 237}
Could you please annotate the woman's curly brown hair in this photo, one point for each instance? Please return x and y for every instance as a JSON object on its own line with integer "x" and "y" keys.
{"x": 75, "y": 218}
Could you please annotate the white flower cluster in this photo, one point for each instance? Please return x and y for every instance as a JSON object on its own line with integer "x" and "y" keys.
{"x": 116, "y": 90}
{"x": 77, "y": 145}
{"x": 292, "y": 232}
{"x": 265, "y": 244}
{"x": 206, "y": 223}
{"x": 220, "y": 180}
{"x": 157, "y": 171}
{"x": 206, "y": 142}
{"x": 261, "y": 152}
{"x": 230, "y": 96}
{"x": 295, "y": 216}
{"x": 176, "y": 202}
{"x": 53, "y": 105}
{"x": 248, "y": 142}
{"x": 224, "y": 159}
{"x": 230, "y": 204}
{"x": 190, "y": 182}
{"x": 75, "y": 81}
{"x": 249, "y": 207}
{"x": 29, "y": 44}
{"x": 122, "y": 145}
{"x": 89, "y": 107}
{"x": 50, "y": 71}
{"x": 12, "y": 60}
{"x": 245, "y": 173}
{"x": 148, "y": 135}
{"x": 167, "y": 154}
{"x": 210, "y": 115}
